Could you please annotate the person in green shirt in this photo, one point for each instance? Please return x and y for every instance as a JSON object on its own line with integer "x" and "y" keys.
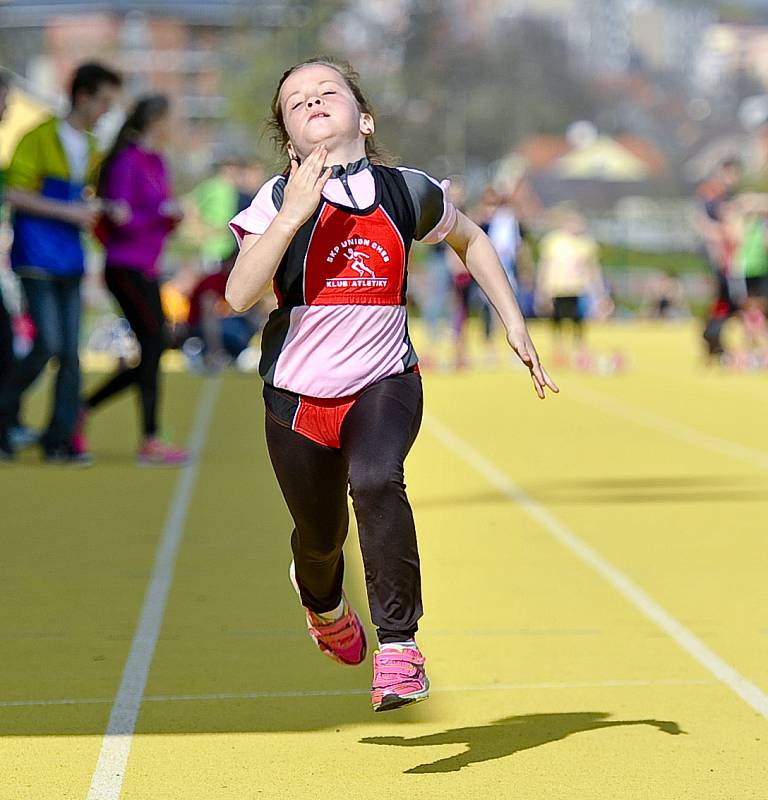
{"x": 752, "y": 269}
{"x": 49, "y": 187}
{"x": 210, "y": 206}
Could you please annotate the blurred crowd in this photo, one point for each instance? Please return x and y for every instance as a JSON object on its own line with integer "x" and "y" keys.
{"x": 734, "y": 229}
{"x": 58, "y": 186}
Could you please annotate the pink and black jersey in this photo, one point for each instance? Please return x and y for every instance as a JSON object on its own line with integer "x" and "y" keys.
{"x": 341, "y": 321}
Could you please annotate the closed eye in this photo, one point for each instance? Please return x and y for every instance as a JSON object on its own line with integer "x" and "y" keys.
{"x": 329, "y": 92}
{"x": 297, "y": 105}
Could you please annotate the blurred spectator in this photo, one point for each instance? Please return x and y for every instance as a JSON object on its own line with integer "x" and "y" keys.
{"x": 497, "y": 217}
{"x": 463, "y": 286}
{"x": 174, "y": 296}
{"x": 134, "y": 178}
{"x": 18, "y": 435}
{"x": 209, "y": 207}
{"x": 569, "y": 282}
{"x": 53, "y": 166}
{"x": 664, "y": 298}
{"x": 249, "y": 178}
{"x": 220, "y": 334}
{"x": 749, "y": 280}
{"x": 713, "y": 196}
{"x": 435, "y": 298}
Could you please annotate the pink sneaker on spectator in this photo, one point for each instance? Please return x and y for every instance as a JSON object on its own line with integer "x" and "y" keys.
{"x": 156, "y": 453}
{"x": 79, "y": 440}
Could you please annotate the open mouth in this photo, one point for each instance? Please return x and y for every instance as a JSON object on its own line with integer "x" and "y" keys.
{"x": 319, "y": 115}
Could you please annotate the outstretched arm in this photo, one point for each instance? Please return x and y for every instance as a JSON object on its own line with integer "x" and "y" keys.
{"x": 82, "y": 214}
{"x": 475, "y": 249}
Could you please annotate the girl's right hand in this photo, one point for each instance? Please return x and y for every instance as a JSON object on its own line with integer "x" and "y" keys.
{"x": 305, "y": 187}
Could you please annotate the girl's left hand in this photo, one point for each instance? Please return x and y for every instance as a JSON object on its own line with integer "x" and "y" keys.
{"x": 520, "y": 341}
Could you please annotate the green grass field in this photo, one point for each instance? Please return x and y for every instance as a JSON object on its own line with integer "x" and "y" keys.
{"x": 595, "y": 601}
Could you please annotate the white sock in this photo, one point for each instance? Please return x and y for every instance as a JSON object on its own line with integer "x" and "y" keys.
{"x": 409, "y": 643}
{"x": 332, "y": 615}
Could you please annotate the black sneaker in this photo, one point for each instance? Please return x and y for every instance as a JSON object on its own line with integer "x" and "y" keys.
{"x": 66, "y": 456}
{"x": 7, "y": 450}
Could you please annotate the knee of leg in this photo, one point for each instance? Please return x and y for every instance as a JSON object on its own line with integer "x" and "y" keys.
{"x": 374, "y": 482}
{"x": 320, "y": 553}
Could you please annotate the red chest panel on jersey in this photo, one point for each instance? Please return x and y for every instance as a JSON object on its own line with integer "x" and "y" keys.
{"x": 354, "y": 260}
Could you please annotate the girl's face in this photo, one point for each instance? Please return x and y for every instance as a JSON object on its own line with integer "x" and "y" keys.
{"x": 318, "y": 107}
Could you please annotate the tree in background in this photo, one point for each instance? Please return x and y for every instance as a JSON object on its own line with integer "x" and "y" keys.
{"x": 444, "y": 101}
{"x": 259, "y": 57}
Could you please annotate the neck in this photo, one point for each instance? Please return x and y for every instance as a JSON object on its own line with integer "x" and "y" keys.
{"x": 75, "y": 119}
{"x": 344, "y": 154}
{"x": 149, "y": 142}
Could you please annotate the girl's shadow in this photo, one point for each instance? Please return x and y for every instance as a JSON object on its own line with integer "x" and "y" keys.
{"x": 510, "y": 735}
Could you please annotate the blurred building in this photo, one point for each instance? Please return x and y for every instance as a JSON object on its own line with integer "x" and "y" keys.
{"x": 592, "y": 169}
{"x": 729, "y": 48}
{"x": 611, "y": 37}
{"x": 595, "y": 156}
{"x": 177, "y": 48}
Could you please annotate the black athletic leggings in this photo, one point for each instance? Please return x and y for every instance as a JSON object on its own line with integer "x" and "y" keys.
{"x": 139, "y": 298}
{"x": 376, "y": 435}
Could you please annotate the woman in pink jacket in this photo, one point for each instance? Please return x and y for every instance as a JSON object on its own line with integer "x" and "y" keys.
{"x": 134, "y": 181}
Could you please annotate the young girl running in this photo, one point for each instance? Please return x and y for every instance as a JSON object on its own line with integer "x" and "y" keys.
{"x": 341, "y": 384}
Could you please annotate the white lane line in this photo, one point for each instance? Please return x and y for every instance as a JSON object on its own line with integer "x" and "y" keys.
{"x": 107, "y": 780}
{"x": 724, "y": 672}
{"x": 750, "y": 455}
{"x": 474, "y": 687}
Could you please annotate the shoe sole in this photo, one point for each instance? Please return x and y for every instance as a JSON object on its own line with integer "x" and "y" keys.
{"x": 392, "y": 701}
{"x": 25, "y": 445}
{"x": 161, "y": 465}
{"x": 67, "y": 464}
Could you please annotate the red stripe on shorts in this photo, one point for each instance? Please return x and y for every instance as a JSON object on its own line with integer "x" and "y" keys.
{"x": 320, "y": 419}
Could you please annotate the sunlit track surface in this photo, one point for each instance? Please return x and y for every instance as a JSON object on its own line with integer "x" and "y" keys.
{"x": 549, "y": 682}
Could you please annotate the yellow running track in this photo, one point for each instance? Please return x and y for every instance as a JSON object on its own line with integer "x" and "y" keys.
{"x": 595, "y": 601}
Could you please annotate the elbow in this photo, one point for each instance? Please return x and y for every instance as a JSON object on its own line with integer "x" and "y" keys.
{"x": 236, "y": 302}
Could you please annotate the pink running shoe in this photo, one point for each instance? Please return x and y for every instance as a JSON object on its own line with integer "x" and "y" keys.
{"x": 343, "y": 640}
{"x": 399, "y": 678}
{"x": 79, "y": 441}
{"x": 156, "y": 453}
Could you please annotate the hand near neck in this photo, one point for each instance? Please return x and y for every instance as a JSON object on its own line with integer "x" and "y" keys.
{"x": 344, "y": 153}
